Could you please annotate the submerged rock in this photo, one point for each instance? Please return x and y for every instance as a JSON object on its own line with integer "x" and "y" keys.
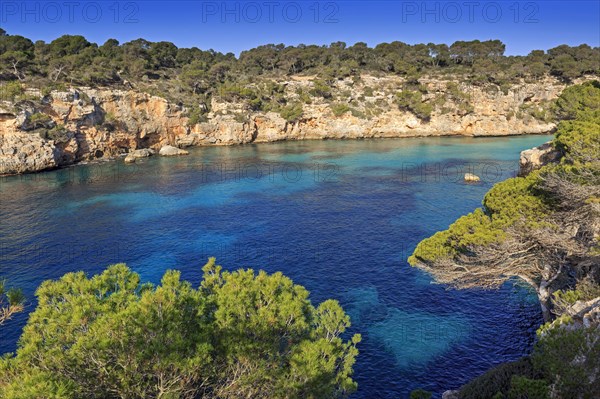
{"x": 169, "y": 151}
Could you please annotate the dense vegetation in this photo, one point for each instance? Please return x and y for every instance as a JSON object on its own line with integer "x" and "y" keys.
{"x": 239, "y": 335}
{"x": 487, "y": 247}
{"x": 74, "y": 59}
{"x": 542, "y": 228}
{"x": 564, "y": 364}
{"x": 191, "y": 77}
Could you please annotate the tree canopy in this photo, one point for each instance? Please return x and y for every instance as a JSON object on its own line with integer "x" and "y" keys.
{"x": 239, "y": 334}
{"x": 81, "y": 60}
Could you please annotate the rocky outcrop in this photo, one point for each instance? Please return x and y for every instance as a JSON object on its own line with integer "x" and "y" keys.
{"x": 90, "y": 123}
{"x": 142, "y": 153}
{"x": 170, "y": 151}
{"x": 537, "y": 157}
{"x": 450, "y": 395}
{"x": 469, "y": 177}
{"x": 23, "y": 152}
{"x": 583, "y": 314}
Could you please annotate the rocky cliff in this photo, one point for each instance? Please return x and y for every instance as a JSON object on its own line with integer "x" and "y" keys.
{"x": 537, "y": 157}
{"x": 63, "y": 128}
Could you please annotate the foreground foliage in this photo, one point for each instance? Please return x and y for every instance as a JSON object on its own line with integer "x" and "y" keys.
{"x": 240, "y": 334}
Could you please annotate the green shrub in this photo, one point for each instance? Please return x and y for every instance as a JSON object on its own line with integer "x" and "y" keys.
{"x": 525, "y": 388}
{"x": 569, "y": 360}
{"x": 586, "y": 290}
{"x": 517, "y": 199}
{"x": 564, "y": 360}
{"x": 38, "y": 120}
{"x": 196, "y": 116}
{"x": 46, "y": 91}
{"x": 473, "y": 229}
{"x": 255, "y": 104}
{"x": 11, "y": 302}
{"x": 339, "y": 109}
{"x": 83, "y": 96}
{"x": 413, "y": 101}
{"x": 505, "y": 88}
{"x": 109, "y": 117}
{"x": 233, "y": 92}
{"x": 358, "y": 114}
{"x": 320, "y": 89}
{"x": 58, "y": 133}
{"x": 580, "y": 138}
{"x": 461, "y": 98}
{"x": 304, "y": 96}
{"x": 372, "y": 110}
{"x": 10, "y": 91}
{"x": 420, "y": 394}
{"x": 576, "y": 99}
{"x": 497, "y": 380}
{"x": 292, "y": 112}
{"x": 34, "y": 384}
{"x": 240, "y": 117}
{"x": 550, "y": 325}
{"x": 521, "y": 200}
{"x": 540, "y": 112}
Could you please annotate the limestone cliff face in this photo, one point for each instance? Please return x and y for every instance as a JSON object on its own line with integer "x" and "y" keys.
{"x": 21, "y": 152}
{"x": 103, "y": 123}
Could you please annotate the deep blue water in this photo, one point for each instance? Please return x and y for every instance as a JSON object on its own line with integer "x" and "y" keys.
{"x": 339, "y": 217}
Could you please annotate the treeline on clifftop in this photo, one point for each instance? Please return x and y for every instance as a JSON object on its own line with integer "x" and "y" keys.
{"x": 239, "y": 334}
{"x": 543, "y": 228}
{"x": 192, "y": 71}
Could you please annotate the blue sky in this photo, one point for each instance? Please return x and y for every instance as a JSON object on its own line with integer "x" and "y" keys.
{"x": 232, "y": 26}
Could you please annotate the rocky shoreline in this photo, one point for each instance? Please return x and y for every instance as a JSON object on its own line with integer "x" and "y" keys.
{"x": 85, "y": 124}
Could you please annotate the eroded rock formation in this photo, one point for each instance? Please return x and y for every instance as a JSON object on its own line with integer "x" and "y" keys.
{"x": 85, "y": 124}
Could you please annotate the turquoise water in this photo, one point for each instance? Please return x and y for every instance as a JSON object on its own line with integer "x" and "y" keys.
{"x": 339, "y": 217}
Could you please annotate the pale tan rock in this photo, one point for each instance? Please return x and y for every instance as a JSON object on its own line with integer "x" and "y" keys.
{"x": 22, "y": 152}
{"x": 170, "y": 151}
{"x": 537, "y": 157}
{"x": 471, "y": 177}
{"x": 142, "y": 153}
